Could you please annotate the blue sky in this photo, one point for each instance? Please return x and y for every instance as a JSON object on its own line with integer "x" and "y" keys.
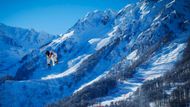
{"x": 52, "y": 16}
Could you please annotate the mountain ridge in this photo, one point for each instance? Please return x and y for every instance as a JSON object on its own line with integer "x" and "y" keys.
{"x": 104, "y": 57}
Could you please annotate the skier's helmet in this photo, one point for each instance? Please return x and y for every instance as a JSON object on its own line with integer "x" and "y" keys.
{"x": 47, "y": 53}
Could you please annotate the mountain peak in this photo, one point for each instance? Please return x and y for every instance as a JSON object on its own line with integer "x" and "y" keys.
{"x": 104, "y": 58}
{"x": 94, "y": 19}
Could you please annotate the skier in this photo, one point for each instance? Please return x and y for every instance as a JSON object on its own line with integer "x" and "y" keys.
{"x": 51, "y": 57}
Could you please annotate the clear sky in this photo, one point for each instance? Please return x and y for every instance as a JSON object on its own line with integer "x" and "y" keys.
{"x": 52, "y": 16}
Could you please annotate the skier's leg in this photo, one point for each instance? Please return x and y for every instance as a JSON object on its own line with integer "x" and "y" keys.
{"x": 48, "y": 61}
{"x": 53, "y": 61}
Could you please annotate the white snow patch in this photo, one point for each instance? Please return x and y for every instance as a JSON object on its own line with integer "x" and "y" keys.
{"x": 171, "y": 56}
{"x": 157, "y": 17}
{"x": 103, "y": 43}
{"x": 67, "y": 72}
{"x": 170, "y": 4}
{"x": 170, "y": 90}
{"x": 114, "y": 30}
{"x": 64, "y": 37}
{"x": 152, "y": 104}
{"x": 146, "y": 72}
{"x": 107, "y": 40}
{"x": 133, "y": 55}
{"x": 94, "y": 40}
{"x": 126, "y": 7}
{"x": 144, "y": 12}
{"x": 89, "y": 83}
{"x": 108, "y": 102}
{"x": 74, "y": 61}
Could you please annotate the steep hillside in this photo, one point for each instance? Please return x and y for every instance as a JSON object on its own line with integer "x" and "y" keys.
{"x": 105, "y": 57}
{"x": 153, "y": 45}
{"x": 73, "y": 48}
{"x": 16, "y": 43}
{"x": 170, "y": 90}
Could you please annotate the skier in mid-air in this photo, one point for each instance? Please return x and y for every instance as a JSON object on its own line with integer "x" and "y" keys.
{"x": 51, "y": 57}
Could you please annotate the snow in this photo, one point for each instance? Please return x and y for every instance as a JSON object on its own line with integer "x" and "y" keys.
{"x": 74, "y": 61}
{"x": 103, "y": 43}
{"x": 113, "y": 31}
{"x": 170, "y": 90}
{"x": 67, "y": 72}
{"x": 127, "y": 6}
{"x": 170, "y": 4}
{"x": 157, "y": 17}
{"x": 55, "y": 43}
{"x": 91, "y": 82}
{"x": 123, "y": 97}
{"x": 64, "y": 37}
{"x": 77, "y": 43}
{"x": 89, "y": 37}
{"x": 147, "y": 71}
{"x": 33, "y": 90}
{"x": 171, "y": 56}
{"x": 144, "y": 12}
{"x": 94, "y": 41}
{"x": 15, "y": 43}
{"x": 152, "y": 104}
{"x": 133, "y": 55}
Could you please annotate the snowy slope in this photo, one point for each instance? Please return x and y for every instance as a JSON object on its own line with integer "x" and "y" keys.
{"x": 140, "y": 42}
{"x": 72, "y": 53}
{"x": 171, "y": 89}
{"x": 16, "y": 43}
{"x": 162, "y": 61}
{"x": 77, "y": 43}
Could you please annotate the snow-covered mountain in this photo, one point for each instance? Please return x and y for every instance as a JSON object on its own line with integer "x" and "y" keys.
{"x": 16, "y": 43}
{"x": 170, "y": 90}
{"x": 105, "y": 57}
